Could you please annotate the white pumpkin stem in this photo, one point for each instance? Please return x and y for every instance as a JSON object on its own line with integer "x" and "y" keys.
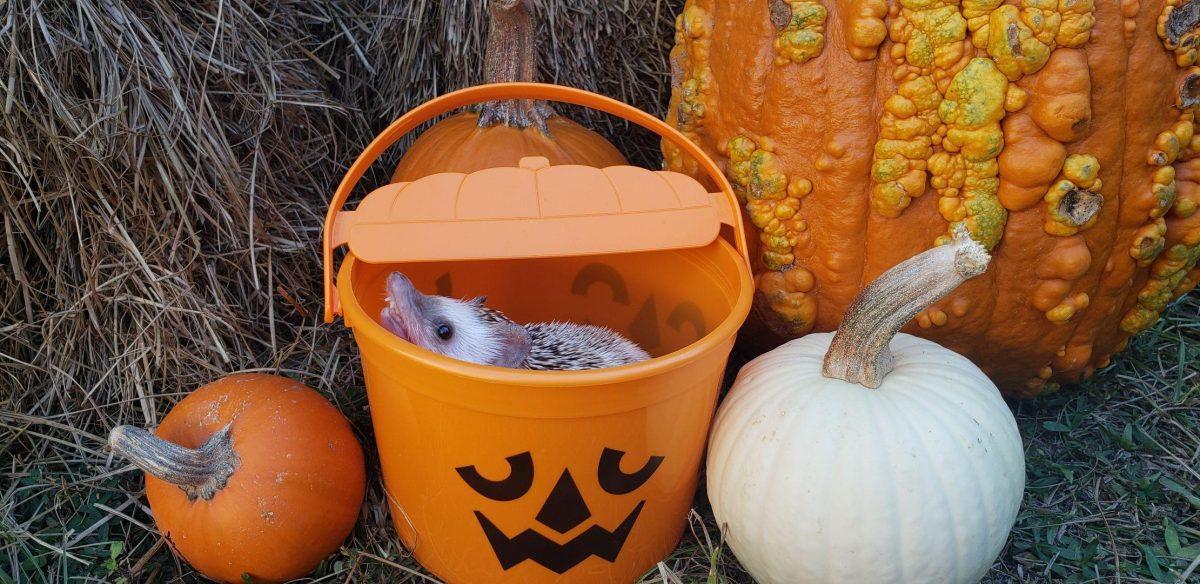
{"x": 511, "y": 56}
{"x": 859, "y": 351}
{"x": 200, "y": 472}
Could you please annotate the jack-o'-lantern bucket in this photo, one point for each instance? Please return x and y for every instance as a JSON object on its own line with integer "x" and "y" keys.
{"x": 513, "y": 475}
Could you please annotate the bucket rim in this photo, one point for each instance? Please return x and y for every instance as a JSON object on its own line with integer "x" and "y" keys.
{"x": 533, "y": 379}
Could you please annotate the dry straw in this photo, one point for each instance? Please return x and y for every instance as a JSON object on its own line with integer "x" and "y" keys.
{"x": 164, "y": 170}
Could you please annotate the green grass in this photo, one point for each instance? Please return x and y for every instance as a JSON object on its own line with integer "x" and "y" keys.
{"x": 1113, "y": 486}
{"x": 1113, "y": 469}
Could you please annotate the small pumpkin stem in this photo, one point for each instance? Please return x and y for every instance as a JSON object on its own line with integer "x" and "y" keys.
{"x": 200, "y": 472}
{"x": 511, "y": 56}
{"x": 859, "y": 351}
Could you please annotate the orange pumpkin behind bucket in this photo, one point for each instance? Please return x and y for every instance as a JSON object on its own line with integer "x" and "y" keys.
{"x": 507, "y": 475}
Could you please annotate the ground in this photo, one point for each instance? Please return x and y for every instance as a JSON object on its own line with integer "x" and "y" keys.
{"x": 1113, "y": 488}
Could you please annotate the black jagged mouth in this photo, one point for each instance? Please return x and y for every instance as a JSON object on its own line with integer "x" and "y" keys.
{"x": 531, "y": 545}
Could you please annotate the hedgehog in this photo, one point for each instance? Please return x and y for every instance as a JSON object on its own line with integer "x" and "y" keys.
{"x": 470, "y": 331}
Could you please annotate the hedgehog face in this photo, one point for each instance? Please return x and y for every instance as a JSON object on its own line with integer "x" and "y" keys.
{"x": 465, "y": 330}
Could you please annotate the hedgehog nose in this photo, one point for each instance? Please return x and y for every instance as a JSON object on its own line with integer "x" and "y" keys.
{"x": 565, "y": 508}
{"x": 397, "y": 281}
{"x": 400, "y": 289}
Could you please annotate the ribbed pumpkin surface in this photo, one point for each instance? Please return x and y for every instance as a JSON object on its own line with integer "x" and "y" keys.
{"x": 858, "y": 133}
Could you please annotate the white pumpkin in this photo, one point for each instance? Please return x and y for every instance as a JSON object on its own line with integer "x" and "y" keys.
{"x": 817, "y": 479}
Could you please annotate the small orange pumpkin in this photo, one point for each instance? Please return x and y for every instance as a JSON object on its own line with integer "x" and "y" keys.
{"x": 500, "y": 133}
{"x": 252, "y": 476}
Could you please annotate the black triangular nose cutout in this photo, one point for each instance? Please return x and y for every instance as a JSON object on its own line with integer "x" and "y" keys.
{"x": 565, "y": 508}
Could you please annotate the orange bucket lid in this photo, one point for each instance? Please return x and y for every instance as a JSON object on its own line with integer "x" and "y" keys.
{"x": 529, "y": 211}
{"x": 533, "y": 210}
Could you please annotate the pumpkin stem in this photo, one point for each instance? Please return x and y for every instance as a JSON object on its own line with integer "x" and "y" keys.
{"x": 511, "y": 56}
{"x": 859, "y": 351}
{"x": 200, "y": 472}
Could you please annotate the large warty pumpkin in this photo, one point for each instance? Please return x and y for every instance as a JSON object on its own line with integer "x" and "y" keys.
{"x": 859, "y": 133}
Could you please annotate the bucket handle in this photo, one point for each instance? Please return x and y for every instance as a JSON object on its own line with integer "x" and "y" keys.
{"x": 498, "y": 91}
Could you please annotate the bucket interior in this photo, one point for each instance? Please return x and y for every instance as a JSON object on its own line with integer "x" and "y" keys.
{"x": 662, "y": 300}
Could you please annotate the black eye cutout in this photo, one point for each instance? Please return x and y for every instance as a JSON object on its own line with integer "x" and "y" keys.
{"x": 616, "y": 482}
{"x": 444, "y": 332}
{"x": 519, "y": 479}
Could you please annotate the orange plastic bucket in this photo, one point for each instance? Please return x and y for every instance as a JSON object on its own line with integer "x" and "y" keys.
{"x": 507, "y": 475}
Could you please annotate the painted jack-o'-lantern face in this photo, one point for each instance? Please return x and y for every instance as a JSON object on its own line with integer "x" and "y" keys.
{"x": 564, "y": 510}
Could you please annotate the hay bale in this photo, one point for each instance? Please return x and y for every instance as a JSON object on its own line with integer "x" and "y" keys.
{"x": 164, "y": 173}
{"x": 164, "y": 168}
{"x": 167, "y": 165}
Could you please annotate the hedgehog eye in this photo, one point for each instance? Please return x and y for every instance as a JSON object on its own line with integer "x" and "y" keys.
{"x": 444, "y": 332}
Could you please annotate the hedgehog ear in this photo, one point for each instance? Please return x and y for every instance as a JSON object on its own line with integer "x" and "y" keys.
{"x": 515, "y": 344}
